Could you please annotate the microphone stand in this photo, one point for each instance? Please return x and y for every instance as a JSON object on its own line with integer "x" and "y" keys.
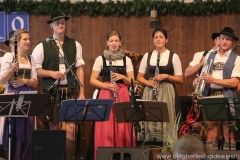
{"x": 75, "y": 97}
{"x": 133, "y": 108}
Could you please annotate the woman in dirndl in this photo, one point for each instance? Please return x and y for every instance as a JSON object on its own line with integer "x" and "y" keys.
{"x": 110, "y": 133}
{"x": 159, "y": 71}
{"x": 21, "y": 127}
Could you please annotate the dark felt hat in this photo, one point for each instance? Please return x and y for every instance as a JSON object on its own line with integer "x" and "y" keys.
{"x": 229, "y": 31}
{"x": 57, "y": 15}
{"x": 215, "y": 35}
{"x": 11, "y": 34}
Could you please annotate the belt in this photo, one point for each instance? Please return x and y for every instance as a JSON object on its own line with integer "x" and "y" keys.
{"x": 216, "y": 92}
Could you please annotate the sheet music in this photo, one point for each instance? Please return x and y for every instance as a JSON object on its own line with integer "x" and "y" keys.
{"x": 28, "y": 92}
{"x": 220, "y": 96}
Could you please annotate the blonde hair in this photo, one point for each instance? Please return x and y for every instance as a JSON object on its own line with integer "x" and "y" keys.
{"x": 190, "y": 144}
{"x": 18, "y": 33}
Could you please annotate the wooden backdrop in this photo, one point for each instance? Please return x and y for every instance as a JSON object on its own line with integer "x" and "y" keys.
{"x": 187, "y": 35}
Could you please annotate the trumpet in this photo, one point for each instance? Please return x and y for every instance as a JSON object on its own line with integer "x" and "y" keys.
{"x": 112, "y": 81}
{"x": 201, "y": 83}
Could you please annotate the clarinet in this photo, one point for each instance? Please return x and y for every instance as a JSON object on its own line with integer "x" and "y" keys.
{"x": 155, "y": 90}
{"x": 15, "y": 54}
{"x": 56, "y": 82}
{"x": 112, "y": 81}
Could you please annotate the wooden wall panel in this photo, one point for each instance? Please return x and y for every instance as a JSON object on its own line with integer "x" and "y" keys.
{"x": 187, "y": 35}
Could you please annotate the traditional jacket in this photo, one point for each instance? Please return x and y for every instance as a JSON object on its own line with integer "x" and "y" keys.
{"x": 51, "y": 60}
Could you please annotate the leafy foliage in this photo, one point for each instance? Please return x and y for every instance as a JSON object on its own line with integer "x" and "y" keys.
{"x": 122, "y": 8}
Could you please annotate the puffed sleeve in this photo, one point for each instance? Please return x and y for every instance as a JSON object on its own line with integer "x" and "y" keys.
{"x": 38, "y": 55}
{"x": 98, "y": 64}
{"x": 6, "y": 63}
{"x": 33, "y": 68}
{"x": 79, "y": 58}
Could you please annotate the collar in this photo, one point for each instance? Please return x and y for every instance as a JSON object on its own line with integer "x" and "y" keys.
{"x": 226, "y": 53}
{"x": 166, "y": 51}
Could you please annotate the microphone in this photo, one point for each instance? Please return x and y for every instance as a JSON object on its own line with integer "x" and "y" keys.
{"x": 50, "y": 39}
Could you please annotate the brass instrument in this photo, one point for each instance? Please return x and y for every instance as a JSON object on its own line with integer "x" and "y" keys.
{"x": 2, "y": 88}
{"x": 15, "y": 54}
{"x": 236, "y": 47}
{"x": 201, "y": 83}
{"x": 112, "y": 81}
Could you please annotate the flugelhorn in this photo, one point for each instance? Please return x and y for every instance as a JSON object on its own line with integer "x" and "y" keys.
{"x": 201, "y": 83}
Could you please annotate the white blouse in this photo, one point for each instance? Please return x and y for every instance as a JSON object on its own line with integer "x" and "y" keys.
{"x": 98, "y": 64}
{"x": 177, "y": 66}
{"x": 7, "y": 64}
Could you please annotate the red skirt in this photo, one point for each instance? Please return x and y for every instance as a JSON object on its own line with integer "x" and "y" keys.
{"x": 110, "y": 133}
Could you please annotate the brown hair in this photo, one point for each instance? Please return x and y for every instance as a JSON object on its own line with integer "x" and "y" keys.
{"x": 164, "y": 32}
{"x": 113, "y": 33}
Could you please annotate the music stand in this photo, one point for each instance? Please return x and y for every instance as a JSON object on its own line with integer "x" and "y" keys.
{"x": 221, "y": 109}
{"x": 144, "y": 111}
{"x": 148, "y": 111}
{"x": 21, "y": 105}
{"x": 87, "y": 110}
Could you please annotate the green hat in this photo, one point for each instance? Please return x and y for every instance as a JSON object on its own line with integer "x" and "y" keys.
{"x": 11, "y": 34}
{"x": 229, "y": 31}
{"x": 57, "y": 15}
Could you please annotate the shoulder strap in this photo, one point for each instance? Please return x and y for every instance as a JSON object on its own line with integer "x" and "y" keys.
{"x": 29, "y": 58}
{"x": 148, "y": 58}
{"x": 104, "y": 61}
{"x": 124, "y": 61}
{"x": 205, "y": 53}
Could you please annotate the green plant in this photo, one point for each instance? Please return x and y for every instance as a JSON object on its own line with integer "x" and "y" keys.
{"x": 168, "y": 137}
{"x": 122, "y": 8}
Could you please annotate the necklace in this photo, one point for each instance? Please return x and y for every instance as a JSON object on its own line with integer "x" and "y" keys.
{"x": 22, "y": 59}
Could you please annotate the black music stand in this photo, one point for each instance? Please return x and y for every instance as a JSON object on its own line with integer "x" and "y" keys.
{"x": 21, "y": 105}
{"x": 148, "y": 111}
{"x": 144, "y": 111}
{"x": 87, "y": 110}
{"x": 221, "y": 109}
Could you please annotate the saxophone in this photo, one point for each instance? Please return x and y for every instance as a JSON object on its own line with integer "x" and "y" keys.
{"x": 112, "y": 81}
{"x": 15, "y": 54}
